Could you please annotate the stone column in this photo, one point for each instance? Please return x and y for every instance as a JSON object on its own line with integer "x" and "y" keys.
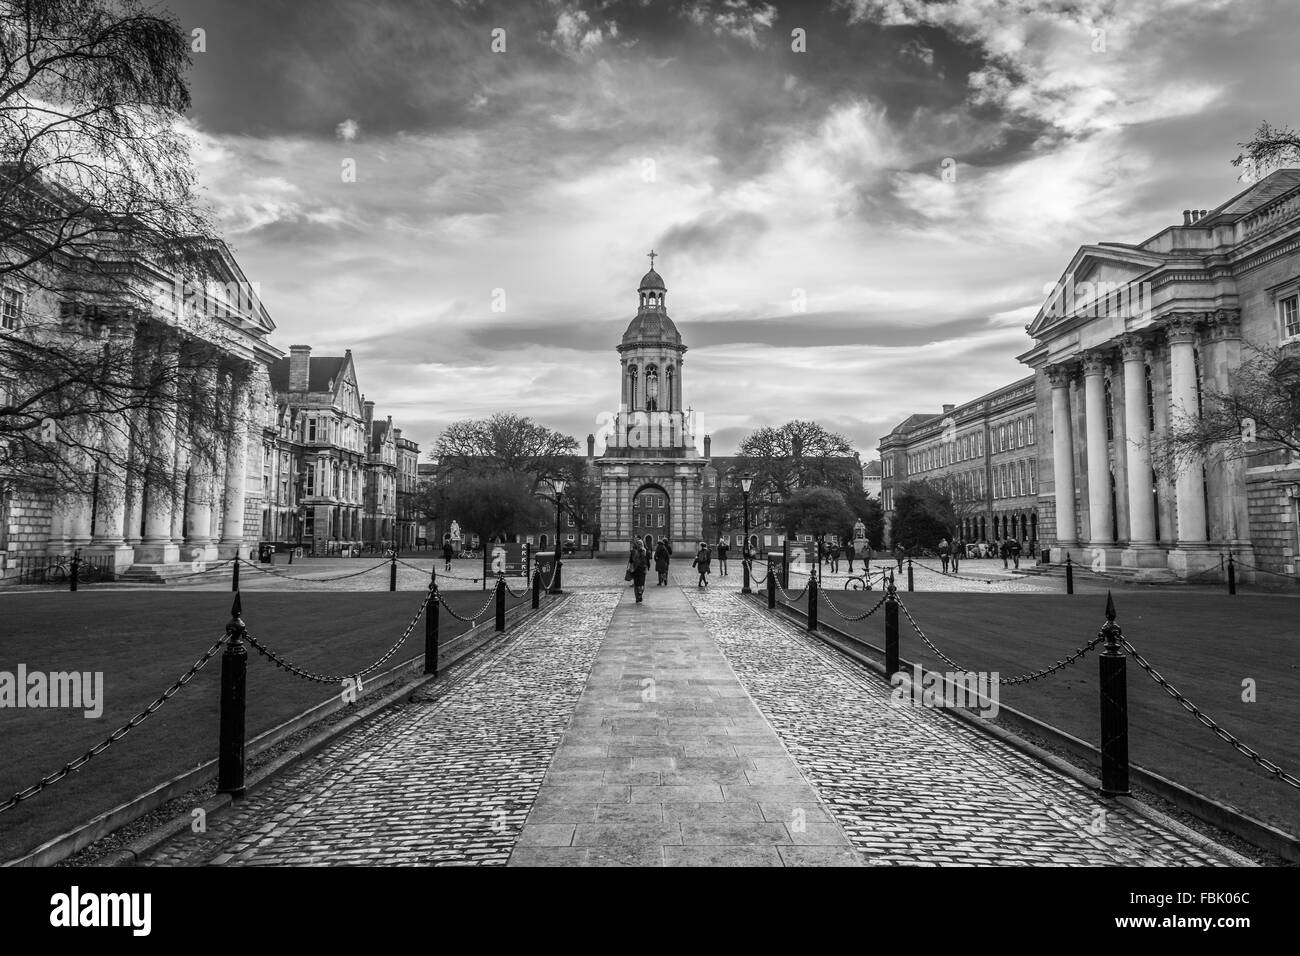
{"x": 1229, "y": 521}
{"x": 1094, "y": 399}
{"x": 1137, "y": 448}
{"x": 1189, "y": 485}
{"x": 232, "y": 526}
{"x": 1067, "y": 533}
{"x": 198, "y": 509}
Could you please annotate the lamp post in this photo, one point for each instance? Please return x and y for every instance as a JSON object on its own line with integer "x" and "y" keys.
{"x": 302, "y": 505}
{"x": 559, "y": 484}
{"x": 745, "y": 484}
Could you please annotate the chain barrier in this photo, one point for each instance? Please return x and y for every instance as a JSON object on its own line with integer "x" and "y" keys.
{"x": 472, "y": 621}
{"x": 302, "y": 580}
{"x": 1208, "y": 721}
{"x": 785, "y": 595}
{"x": 826, "y": 596}
{"x": 510, "y": 591}
{"x": 954, "y": 574}
{"x": 1252, "y": 567}
{"x": 221, "y": 566}
{"x": 305, "y": 674}
{"x": 118, "y": 734}
{"x": 441, "y": 574}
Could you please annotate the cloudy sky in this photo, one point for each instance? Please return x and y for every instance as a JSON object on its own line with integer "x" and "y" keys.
{"x": 607, "y": 128}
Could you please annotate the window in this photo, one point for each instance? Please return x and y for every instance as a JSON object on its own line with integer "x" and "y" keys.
{"x": 1030, "y": 429}
{"x": 311, "y": 429}
{"x": 1288, "y": 311}
{"x": 1033, "y": 476}
{"x": 1020, "y": 433}
{"x": 11, "y": 305}
{"x": 1002, "y": 438}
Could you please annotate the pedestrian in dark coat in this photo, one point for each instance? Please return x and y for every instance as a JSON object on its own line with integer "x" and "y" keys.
{"x": 447, "y": 552}
{"x": 703, "y": 558}
{"x": 662, "y": 557}
{"x": 899, "y": 554}
{"x": 849, "y": 552}
{"x": 637, "y": 565}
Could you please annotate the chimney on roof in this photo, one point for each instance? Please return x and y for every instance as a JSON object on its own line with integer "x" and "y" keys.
{"x": 1187, "y": 217}
{"x": 591, "y": 448}
{"x": 708, "y": 447}
{"x": 299, "y": 367}
{"x": 948, "y": 408}
{"x": 369, "y": 414}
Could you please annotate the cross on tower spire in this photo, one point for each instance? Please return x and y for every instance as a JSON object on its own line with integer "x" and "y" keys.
{"x": 652, "y": 259}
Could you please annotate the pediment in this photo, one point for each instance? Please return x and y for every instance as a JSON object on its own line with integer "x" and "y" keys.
{"x": 1094, "y": 272}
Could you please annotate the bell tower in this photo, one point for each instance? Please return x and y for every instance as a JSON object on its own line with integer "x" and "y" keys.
{"x": 651, "y": 473}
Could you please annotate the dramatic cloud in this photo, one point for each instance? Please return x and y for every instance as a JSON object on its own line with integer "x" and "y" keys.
{"x": 853, "y": 233}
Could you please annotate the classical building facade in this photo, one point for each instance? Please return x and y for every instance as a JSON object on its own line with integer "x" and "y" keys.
{"x": 408, "y": 458}
{"x": 122, "y": 522}
{"x": 650, "y": 473}
{"x": 1125, "y": 347}
{"x": 381, "y": 481}
{"x": 984, "y": 454}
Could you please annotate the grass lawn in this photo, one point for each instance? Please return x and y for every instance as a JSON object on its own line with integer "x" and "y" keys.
{"x": 1205, "y": 645}
{"x": 142, "y": 641}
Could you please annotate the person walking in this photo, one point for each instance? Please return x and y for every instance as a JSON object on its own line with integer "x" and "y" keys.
{"x": 447, "y": 552}
{"x": 835, "y": 558}
{"x": 1004, "y": 549}
{"x": 899, "y": 554}
{"x": 636, "y": 568}
{"x": 850, "y": 552}
{"x": 945, "y": 554}
{"x": 662, "y": 556}
{"x": 722, "y": 557}
{"x": 701, "y": 563}
{"x": 1013, "y": 546}
{"x": 958, "y": 549}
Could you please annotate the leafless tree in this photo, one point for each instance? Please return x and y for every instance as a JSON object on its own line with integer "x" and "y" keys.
{"x": 1270, "y": 148}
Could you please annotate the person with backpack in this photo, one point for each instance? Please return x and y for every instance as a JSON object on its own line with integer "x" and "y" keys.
{"x": 945, "y": 554}
{"x": 637, "y": 564}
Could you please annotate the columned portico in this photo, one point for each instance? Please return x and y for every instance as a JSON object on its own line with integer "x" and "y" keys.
{"x": 1141, "y": 551}
{"x": 232, "y": 522}
{"x": 1189, "y": 482}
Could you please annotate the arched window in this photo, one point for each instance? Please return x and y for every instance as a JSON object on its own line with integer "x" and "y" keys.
{"x": 672, "y": 391}
{"x": 631, "y": 386}
{"x": 652, "y": 388}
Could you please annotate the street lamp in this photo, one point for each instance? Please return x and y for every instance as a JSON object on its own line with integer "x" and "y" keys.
{"x": 558, "y": 484}
{"x": 745, "y": 484}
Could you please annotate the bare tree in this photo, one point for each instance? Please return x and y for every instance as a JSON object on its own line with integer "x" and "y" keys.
{"x": 503, "y": 443}
{"x": 1270, "y": 148}
{"x": 798, "y": 454}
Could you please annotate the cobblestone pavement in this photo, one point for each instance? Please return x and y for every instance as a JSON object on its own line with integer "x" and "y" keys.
{"x": 447, "y": 778}
{"x": 668, "y": 762}
{"x": 911, "y": 786}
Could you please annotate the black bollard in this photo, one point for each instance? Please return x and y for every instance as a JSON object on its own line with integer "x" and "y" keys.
{"x": 76, "y": 570}
{"x": 234, "y": 575}
{"x": 771, "y": 587}
{"x": 501, "y": 602}
{"x": 1232, "y": 575}
{"x": 1069, "y": 575}
{"x": 812, "y": 604}
{"x": 234, "y": 689}
{"x": 891, "y": 628}
{"x": 1114, "y": 707}
{"x": 909, "y": 574}
{"x": 537, "y": 589}
{"x": 392, "y": 574}
{"x": 431, "y": 631}
{"x": 745, "y": 559}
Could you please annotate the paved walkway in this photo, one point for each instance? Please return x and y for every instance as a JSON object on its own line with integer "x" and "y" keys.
{"x": 668, "y": 761}
{"x": 695, "y": 729}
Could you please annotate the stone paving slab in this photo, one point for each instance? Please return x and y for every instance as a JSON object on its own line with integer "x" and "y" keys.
{"x": 691, "y": 774}
{"x": 911, "y": 785}
{"x": 447, "y": 779}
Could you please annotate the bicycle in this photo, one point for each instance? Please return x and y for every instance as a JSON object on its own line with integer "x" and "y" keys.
{"x": 61, "y": 571}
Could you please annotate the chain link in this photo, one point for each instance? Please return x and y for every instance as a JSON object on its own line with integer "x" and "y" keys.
{"x": 118, "y": 734}
{"x": 302, "y": 580}
{"x": 305, "y": 674}
{"x": 1208, "y": 721}
{"x": 473, "y": 620}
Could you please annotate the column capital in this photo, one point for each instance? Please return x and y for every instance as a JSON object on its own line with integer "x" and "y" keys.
{"x": 1224, "y": 325}
{"x": 1133, "y": 347}
{"x": 1059, "y": 376}
{"x": 1182, "y": 327}
{"x": 1096, "y": 362}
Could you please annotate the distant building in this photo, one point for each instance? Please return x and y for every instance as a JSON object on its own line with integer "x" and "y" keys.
{"x": 983, "y": 453}
{"x": 408, "y": 457}
{"x": 872, "y": 476}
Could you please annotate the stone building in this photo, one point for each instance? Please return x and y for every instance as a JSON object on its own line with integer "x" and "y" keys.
{"x": 1126, "y": 344}
{"x": 324, "y": 448}
{"x": 381, "y": 481}
{"x": 650, "y": 473}
{"x": 983, "y": 454}
{"x": 121, "y": 522}
{"x": 408, "y": 458}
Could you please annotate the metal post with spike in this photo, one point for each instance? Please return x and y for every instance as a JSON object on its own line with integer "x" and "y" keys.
{"x": 891, "y": 628}
{"x": 1069, "y": 574}
{"x": 392, "y": 572}
{"x": 812, "y": 603}
{"x": 771, "y": 587}
{"x": 1113, "y": 680}
{"x": 501, "y": 601}
{"x": 234, "y": 575}
{"x": 1232, "y": 574}
{"x": 234, "y": 690}
{"x": 537, "y": 588}
{"x": 431, "y": 625}
{"x": 909, "y": 575}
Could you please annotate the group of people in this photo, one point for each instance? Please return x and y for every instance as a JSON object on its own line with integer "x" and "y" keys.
{"x": 952, "y": 552}
{"x": 639, "y": 563}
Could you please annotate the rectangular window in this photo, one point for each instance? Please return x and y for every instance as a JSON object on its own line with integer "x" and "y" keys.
{"x": 1288, "y": 308}
{"x": 1030, "y": 429}
{"x": 1020, "y": 433}
{"x": 311, "y": 429}
{"x": 11, "y": 306}
{"x": 1033, "y": 476}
